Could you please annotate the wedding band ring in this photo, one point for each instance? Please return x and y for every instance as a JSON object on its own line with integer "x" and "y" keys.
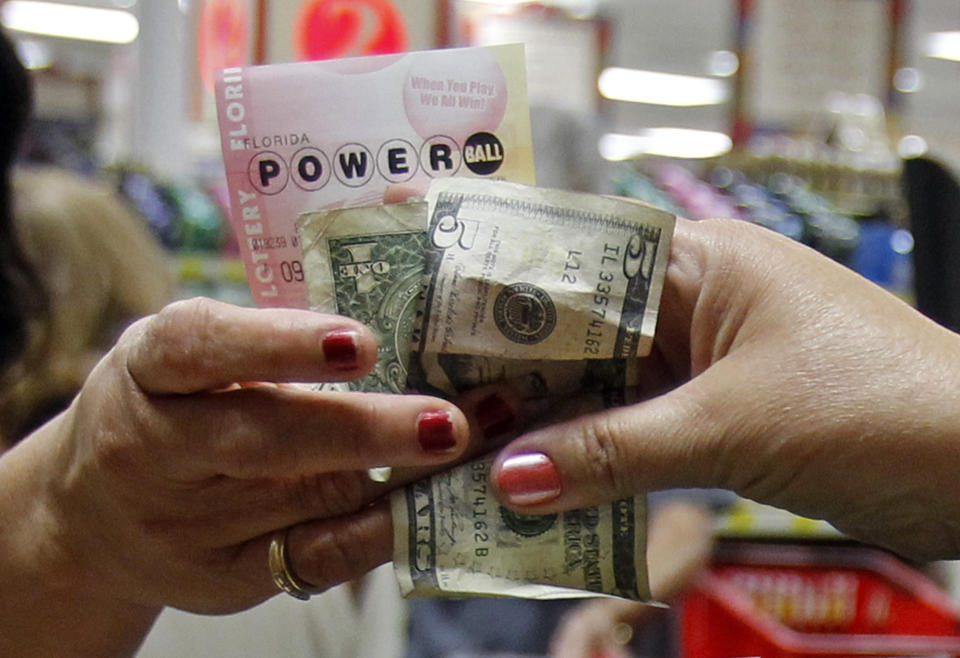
{"x": 283, "y": 576}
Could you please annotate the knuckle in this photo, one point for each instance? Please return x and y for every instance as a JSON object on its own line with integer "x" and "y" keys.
{"x": 113, "y": 453}
{"x": 328, "y": 494}
{"x": 234, "y": 439}
{"x": 359, "y": 428}
{"x": 117, "y": 441}
{"x": 601, "y": 453}
{"x": 338, "y": 557}
{"x": 178, "y": 337}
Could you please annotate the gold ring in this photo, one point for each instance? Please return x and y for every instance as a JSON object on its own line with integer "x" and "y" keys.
{"x": 283, "y": 576}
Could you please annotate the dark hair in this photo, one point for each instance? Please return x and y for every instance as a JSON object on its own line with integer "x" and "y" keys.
{"x": 21, "y": 293}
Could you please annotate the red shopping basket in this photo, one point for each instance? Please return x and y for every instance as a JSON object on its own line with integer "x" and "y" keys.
{"x": 799, "y": 601}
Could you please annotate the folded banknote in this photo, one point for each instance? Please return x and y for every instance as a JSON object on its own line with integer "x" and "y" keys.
{"x": 553, "y": 292}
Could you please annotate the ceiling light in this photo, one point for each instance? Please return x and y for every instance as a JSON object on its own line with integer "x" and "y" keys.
{"x": 657, "y": 88}
{"x": 943, "y": 45}
{"x": 907, "y": 80}
{"x": 911, "y": 146}
{"x": 70, "y": 21}
{"x": 902, "y": 241}
{"x": 34, "y": 55}
{"x": 667, "y": 142}
{"x": 723, "y": 63}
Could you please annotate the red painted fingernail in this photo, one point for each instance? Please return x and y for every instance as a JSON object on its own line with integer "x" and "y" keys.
{"x": 435, "y": 431}
{"x": 529, "y": 479}
{"x": 340, "y": 349}
{"x": 494, "y": 415}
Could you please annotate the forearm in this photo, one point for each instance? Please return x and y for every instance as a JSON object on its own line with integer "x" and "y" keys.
{"x": 45, "y": 621}
{"x": 50, "y": 602}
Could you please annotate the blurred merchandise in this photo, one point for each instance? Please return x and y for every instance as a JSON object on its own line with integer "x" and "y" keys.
{"x": 826, "y": 229}
{"x": 212, "y": 275}
{"x": 202, "y": 226}
{"x": 855, "y": 215}
{"x": 800, "y": 601}
{"x": 630, "y": 183}
{"x": 747, "y": 519}
{"x": 883, "y": 256}
{"x": 699, "y": 199}
{"x": 190, "y": 221}
{"x": 150, "y": 200}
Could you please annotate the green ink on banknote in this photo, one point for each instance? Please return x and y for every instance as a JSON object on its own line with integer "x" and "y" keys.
{"x": 378, "y": 280}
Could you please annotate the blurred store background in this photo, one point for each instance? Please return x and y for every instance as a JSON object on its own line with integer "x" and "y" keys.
{"x": 836, "y": 122}
{"x": 701, "y": 100}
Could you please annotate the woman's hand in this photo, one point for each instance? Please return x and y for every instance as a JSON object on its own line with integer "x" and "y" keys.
{"x": 185, "y": 451}
{"x": 780, "y": 375}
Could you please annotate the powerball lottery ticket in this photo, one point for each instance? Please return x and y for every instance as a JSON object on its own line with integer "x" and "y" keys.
{"x": 335, "y": 134}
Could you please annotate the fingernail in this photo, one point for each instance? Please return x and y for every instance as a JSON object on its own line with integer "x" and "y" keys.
{"x": 494, "y": 415}
{"x": 340, "y": 349}
{"x": 529, "y": 479}
{"x": 435, "y": 431}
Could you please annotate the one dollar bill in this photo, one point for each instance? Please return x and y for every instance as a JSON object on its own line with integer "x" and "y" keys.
{"x": 367, "y": 263}
{"x": 452, "y": 538}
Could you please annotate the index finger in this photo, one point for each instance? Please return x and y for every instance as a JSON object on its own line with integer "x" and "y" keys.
{"x": 202, "y": 344}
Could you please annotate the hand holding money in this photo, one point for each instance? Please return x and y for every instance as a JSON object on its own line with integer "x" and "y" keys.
{"x": 540, "y": 283}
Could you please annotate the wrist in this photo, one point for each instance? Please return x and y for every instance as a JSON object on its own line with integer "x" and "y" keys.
{"x": 51, "y": 601}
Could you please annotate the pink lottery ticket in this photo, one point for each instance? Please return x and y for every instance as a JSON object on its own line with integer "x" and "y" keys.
{"x": 336, "y": 133}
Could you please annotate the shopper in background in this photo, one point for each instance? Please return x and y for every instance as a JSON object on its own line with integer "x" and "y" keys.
{"x": 100, "y": 267}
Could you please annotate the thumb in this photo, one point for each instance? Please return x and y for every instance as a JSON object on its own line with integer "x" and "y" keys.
{"x": 671, "y": 441}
